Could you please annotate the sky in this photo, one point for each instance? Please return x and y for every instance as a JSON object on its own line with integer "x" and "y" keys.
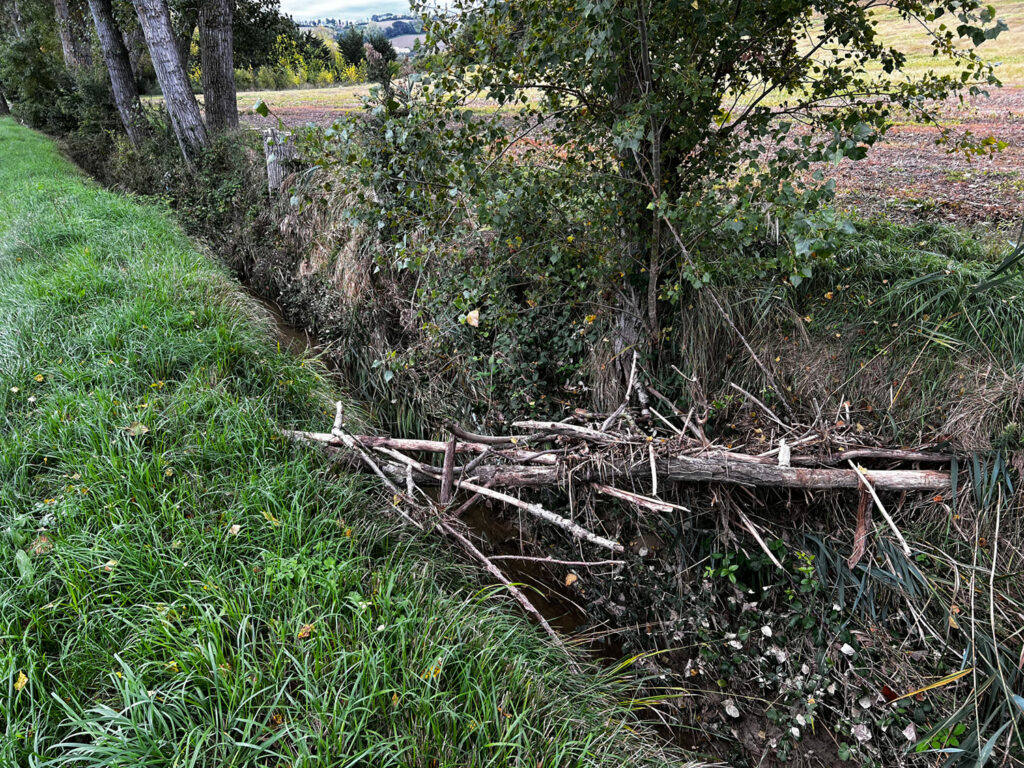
{"x": 342, "y": 9}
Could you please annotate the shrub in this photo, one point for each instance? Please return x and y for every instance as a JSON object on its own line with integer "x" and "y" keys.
{"x": 245, "y": 79}
{"x": 266, "y": 78}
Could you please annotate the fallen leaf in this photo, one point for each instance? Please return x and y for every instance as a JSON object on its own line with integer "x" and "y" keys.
{"x": 41, "y": 545}
{"x": 136, "y": 428}
{"x": 571, "y": 579}
{"x": 473, "y": 318}
{"x": 109, "y": 565}
{"x": 305, "y": 631}
{"x": 234, "y": 529}
{"x": 21, "y": 682}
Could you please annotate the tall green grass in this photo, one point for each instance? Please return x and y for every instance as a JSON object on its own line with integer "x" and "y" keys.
{"x": 179, "y": 586}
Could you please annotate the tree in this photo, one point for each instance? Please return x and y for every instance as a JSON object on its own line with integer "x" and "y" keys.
{"x": 217, "y": 57}
{"x": 382, "y": 45}
{"x": 5, "y": 108}
{"x": 702, "y": 122}
{"x": 257, "y": 25}
{"x": 72, "y": 29}
{"x": 122, "y": 80}
{"x": 182, "y": 108}
{"x": 350, "y": 45}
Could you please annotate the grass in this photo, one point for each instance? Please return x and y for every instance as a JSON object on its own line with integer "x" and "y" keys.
{"x": 1007, "y": 49}
{"x": 345, "y": 97}
{"x": 179, "y": 586}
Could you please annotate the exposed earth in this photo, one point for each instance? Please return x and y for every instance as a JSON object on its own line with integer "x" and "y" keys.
{"x": 907, "y": 177}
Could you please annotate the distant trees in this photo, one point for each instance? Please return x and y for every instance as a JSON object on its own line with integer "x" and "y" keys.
{"x": 382, "y": 45}
{"x": 351, "y": 44}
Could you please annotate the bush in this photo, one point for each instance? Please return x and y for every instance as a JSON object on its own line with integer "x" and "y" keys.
{"x": 266, "y": 79}
{"x": 323, "y": 78}
{"x": 245, "y": 79}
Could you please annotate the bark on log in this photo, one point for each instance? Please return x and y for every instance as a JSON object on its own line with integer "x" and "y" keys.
{"x": 181, "y": 103}
{"x": 122, "y": 79}
{"x": 718, "y": 467}
{"x": 713, "y": 468}
{"x": 216, "y": 51}
{"x": 722, "y": 469}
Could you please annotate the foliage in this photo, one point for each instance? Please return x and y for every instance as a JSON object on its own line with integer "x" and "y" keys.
{"x": 350, "y": 45}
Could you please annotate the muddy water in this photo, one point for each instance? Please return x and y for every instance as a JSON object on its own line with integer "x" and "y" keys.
{"x": 492, "y": 534}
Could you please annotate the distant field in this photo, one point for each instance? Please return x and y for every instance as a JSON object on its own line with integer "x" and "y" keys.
{"x": 1007, "y": 49}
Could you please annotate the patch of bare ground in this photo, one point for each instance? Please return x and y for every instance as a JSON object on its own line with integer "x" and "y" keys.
{"x": 908, "y": 176}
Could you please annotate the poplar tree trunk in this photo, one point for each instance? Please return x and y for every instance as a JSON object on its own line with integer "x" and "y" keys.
{"x": 72, "y": 30}
{"x": 216, "y": 50}
{"x": 181, "y": 104}
{"x": 126, "y": 91}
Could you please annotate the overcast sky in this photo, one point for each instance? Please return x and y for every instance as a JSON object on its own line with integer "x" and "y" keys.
{"x": 342, "y": 9}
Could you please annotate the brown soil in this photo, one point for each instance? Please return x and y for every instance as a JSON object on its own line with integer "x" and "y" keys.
{"x": 909, "y": 177}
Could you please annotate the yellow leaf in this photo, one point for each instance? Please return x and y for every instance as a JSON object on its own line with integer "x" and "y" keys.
{"x": 39, "y": 377}
{"x": 473, "y": 318}
{"x": 938, "y": 684}
{"x": 109, "y": 565}
{"x": 394, "y": 699}
{"x": 234, "y": 529}
{"x": 270, "y": 518}
{"x": 305, "y": 631}
{"x": 571, "y": 579}
{"x": 21, "y": 682}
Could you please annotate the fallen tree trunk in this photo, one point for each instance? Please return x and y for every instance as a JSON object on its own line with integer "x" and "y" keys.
{"x": 554, "y": 470}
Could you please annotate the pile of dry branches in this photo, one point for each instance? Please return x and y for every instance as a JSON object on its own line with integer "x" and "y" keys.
{"x": 638, "y": 447}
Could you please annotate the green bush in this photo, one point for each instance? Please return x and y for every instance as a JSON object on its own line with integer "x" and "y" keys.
{"x": 245, "y": 79}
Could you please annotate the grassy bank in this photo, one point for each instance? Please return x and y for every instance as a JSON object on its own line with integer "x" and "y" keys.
{"x": 178, "y": 587}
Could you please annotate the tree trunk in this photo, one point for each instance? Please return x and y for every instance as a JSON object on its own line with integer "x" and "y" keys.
{"x": 126, "y": 91}
{"x": 136, "y": 45}
{"x": 72, "y": 30}
{"x": 216, "y": 50}
{"x": 181, "y": 104}
{"x": 5, "y": 108}
{"x": 183, "y": 27}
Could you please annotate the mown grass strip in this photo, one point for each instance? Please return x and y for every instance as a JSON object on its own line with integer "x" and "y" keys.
{"x": 178, "y": 586}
